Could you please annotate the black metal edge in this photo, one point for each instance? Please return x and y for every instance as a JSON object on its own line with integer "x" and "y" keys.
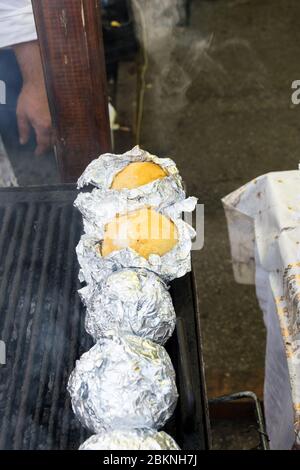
{"x": 203, "y": 390}
{"x": 47, "y": 193}
{"x": 40, "y": 189}
{"x": 187, "y": 390}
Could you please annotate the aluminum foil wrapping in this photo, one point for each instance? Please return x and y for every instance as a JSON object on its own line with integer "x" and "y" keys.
{"x": 101, "y": 173}
{"x": 129, "y": 302}
{"x": 122, "y": 383}
{"x": 97, "y": 207}
{"x": 174, "y": 264}
{"x": 133, "y": 439}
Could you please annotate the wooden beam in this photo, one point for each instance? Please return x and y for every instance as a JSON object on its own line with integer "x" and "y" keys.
{"x": 71, "y": 44}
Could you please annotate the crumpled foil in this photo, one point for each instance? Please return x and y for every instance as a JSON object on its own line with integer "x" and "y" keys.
{"x": 174, "y": 264}
{"x": 129, "y": 302}
{"x": 133, "y": 439}
{"x": 123, "y": 382}
{"x": 101, "y": 172}
{"x": 97, "y": 207}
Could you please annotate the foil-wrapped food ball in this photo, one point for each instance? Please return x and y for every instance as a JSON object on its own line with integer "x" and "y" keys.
{"x": 135, "y": 172}
{"x": 132, "y": 439}
{"x": 145, "y": 231}
{"x": 123, "y": 382}
{"x": 130, "y": 302}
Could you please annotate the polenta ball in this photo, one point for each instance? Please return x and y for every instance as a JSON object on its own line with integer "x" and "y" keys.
{"x": 137, "y": 174}
{"x": 144, "y": 231}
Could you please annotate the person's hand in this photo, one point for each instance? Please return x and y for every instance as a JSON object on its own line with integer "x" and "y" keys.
{"x": 33, "y": 108}
{"x": 33, "y": 112}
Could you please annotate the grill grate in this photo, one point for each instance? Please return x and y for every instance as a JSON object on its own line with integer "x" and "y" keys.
{"x": 42, "y": 324}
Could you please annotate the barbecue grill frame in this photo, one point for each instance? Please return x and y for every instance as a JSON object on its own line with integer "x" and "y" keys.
{"x": 192, "y": 435}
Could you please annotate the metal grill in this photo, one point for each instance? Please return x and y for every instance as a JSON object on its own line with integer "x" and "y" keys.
{"x": 42, "y": 324}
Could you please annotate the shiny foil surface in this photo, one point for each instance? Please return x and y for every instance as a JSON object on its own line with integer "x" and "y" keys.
{"x": 98, "y": 207}
{"x": 123, "y": 382}
{"x": 101, "y": 172}
{"x": 133, "y": 439}
{"x": 174, "y": 264}
{"x": 129, "y": 302}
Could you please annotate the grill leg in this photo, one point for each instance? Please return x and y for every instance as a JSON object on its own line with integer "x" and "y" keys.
{"x": 264, "y": 440}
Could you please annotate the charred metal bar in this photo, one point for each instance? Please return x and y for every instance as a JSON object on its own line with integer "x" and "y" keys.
{"x": 71, "y": 44}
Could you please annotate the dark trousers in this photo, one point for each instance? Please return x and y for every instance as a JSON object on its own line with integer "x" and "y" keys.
{"x": 11, "y": 76}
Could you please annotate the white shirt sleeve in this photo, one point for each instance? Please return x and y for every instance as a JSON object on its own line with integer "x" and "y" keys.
{"x": 16, "y": 22}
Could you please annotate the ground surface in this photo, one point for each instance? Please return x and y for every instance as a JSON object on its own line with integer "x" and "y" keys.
{"x": 218, "y": 99}
{"x": 233, "y": 121}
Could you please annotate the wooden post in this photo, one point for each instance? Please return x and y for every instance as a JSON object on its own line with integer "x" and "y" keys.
{"x": 71, "y": 44}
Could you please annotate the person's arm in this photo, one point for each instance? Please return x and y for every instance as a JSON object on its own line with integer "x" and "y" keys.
{"x": 32, "y": 107}
{"x": 17, "y": 31}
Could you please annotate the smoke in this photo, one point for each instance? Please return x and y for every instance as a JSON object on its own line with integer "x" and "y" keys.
{"x": 166, "y": 68}
{"x": 181, "y": 65}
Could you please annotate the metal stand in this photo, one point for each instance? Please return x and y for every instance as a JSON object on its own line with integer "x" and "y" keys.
{"x": 264, "y": 440}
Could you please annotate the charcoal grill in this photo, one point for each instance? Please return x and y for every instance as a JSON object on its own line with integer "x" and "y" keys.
{"x": 42, "y": 324}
